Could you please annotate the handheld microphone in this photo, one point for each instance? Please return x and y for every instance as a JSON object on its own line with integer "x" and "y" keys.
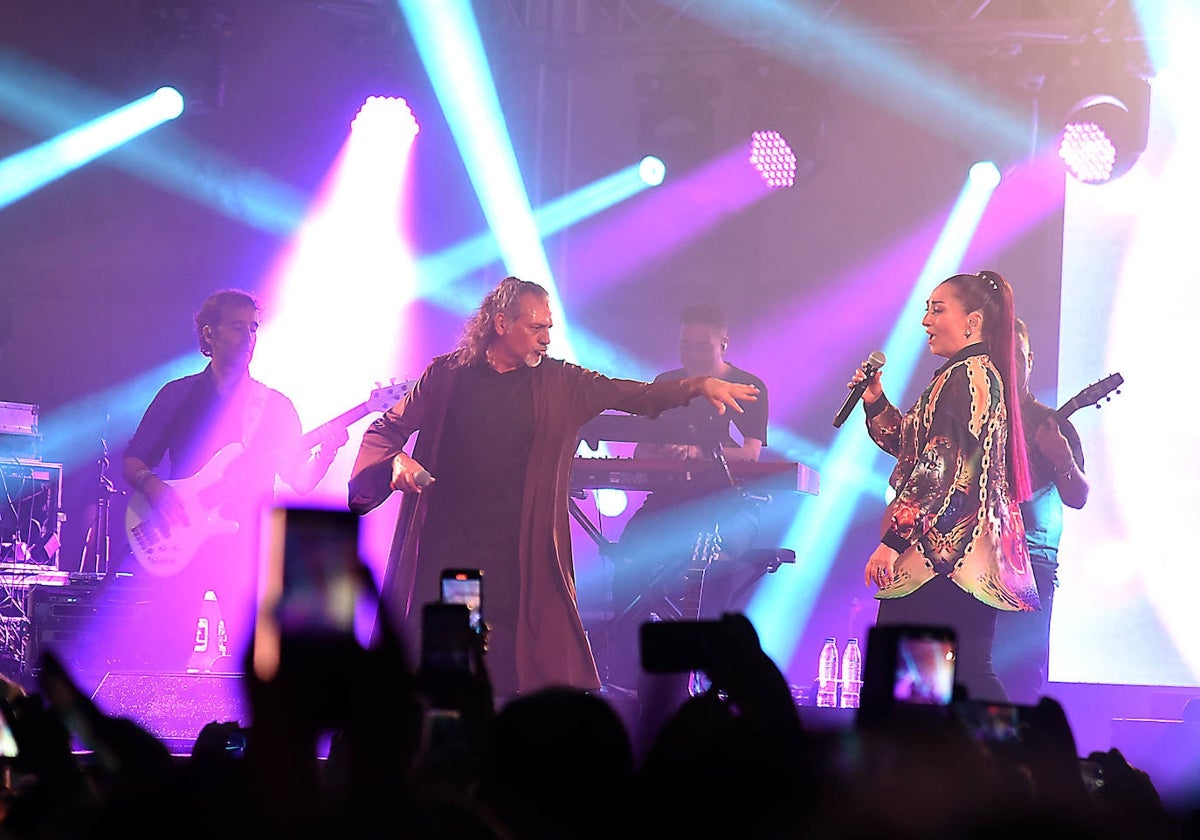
{"x": 873, "y": 363}
{"x": 423, "y": 478}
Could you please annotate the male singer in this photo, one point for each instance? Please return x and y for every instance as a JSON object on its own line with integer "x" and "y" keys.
{"x": 498, "y": 423}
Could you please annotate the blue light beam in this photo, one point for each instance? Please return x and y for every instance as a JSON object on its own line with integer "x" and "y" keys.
{"x": 44, "y": 101}
{"x": 32, "y": 169}
{"x": 441, "y": 272}
{"x": 449, "y": 44}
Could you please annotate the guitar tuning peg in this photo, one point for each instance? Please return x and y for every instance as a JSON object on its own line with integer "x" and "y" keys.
{"x": 378, "y": 384}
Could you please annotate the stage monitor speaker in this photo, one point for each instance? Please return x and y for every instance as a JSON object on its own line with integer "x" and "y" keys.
{"x": 173, "y": 707}
{"x": 87, "y": 624}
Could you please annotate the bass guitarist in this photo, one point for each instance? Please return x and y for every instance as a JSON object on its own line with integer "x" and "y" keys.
{"x": 220, "y": 420}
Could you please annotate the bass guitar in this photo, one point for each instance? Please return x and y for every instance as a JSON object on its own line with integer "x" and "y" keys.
{"x": 164, "y": 550}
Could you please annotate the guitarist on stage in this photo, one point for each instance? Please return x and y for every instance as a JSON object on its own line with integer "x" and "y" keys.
{"x": 1021, "y": 649}
{"x": 218, "y": 429}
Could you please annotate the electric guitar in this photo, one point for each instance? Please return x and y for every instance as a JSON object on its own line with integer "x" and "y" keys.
{"x": 164, "y": 550}
{"x": 1091, "y": 395}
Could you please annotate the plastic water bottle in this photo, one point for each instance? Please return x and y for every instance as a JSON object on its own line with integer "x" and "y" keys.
{"x": 827, "y": 674}
{"x": 210, "y": 636}
{"x": 851, "y": 674}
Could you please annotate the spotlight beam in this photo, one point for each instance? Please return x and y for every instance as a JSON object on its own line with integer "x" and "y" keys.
{"x": 43, "y": 101}
{"x": 32, "y": 169}
{"x": 440, "y": 272}
{"x": 74, "y": 430}
{"x": 450, "y": 46}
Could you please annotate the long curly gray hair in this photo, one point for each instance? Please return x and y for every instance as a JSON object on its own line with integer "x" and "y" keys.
{"x": 478, "y": 334}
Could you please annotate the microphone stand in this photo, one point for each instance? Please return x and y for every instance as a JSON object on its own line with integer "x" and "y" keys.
{"x": 100, "y": 542}
{"x": 718, "y": 453}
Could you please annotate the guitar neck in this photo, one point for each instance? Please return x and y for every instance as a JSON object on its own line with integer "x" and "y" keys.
{"x": 342, "y": 421}
{"x": 1068, "y": 408}
{"x": 1091, "y": 395}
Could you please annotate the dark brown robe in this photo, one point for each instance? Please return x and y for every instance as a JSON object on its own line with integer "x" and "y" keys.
{"x": 551, "y": 646}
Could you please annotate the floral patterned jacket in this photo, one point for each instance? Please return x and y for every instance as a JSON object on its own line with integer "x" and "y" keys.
{"x": 952, "y": 513}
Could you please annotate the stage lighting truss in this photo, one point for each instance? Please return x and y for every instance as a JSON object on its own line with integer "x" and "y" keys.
{"x": 784, "y": 115}
{"x": 1104, "y": 124}
{"x": 187, "y": 48}
{"x": 677, "y": 116}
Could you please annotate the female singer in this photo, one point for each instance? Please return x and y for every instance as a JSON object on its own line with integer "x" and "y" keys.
{"x": 952, "y": 551}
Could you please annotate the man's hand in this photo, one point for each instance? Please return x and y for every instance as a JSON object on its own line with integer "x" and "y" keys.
{"x": 1050, "y": 442}
{"x": 165, "y": 501}
{"x": 316, "y": 462}
{"x": 408, "y": 475}
{"x": 724, "y": 394}
{"x": 331, "y": 443}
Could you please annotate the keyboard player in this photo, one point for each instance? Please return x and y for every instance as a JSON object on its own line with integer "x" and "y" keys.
{"x": 656, "y": 547}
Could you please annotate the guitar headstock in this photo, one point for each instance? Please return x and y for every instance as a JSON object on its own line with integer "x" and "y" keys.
{"x": 386, "y": 396}
{"x": 1092, "y": 395}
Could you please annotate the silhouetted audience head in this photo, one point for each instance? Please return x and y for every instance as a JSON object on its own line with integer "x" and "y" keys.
{"x": 733, "y": 760}
{"x": 548, "y": 750}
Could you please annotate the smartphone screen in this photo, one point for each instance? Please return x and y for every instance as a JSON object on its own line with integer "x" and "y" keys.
{"x": 924, "y": 669}
{"x": 8, "y": 743}
{"x": 465, "y": 586}
{"x": 994, "y": 723}
{"x": 309, "y": 582}
{"x": 908, "y": 670}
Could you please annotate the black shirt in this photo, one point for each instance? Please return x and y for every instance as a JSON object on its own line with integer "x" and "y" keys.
{"x": 485, "y": 448}
{"x": 751, "y": 423}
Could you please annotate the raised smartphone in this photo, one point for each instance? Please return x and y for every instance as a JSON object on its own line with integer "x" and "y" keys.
{"x": 675, "y": 647}
{"x": 310, "y": 584}
{"x": 907, "y": 670}
{"x": 465, "y": 586}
